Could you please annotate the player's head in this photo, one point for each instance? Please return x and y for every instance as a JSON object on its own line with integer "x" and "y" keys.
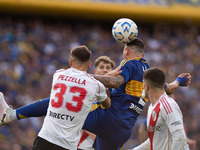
{"x": 80, "y": 58}
{"x": 153, "y": 79}
{"x": 134, "y": 49}
{"x": 103, "y": 65}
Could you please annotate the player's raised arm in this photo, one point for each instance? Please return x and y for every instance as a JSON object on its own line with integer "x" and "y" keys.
{"x": 112, "y": 79}
{"x": 183, "y": 79}
{"x": 110, "y": 82}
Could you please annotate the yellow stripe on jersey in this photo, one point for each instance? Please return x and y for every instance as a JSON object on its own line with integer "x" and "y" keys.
{"x": 37, "y": 101}
{"x": 144, "y": 61}
{"x": 21, "y": 116}
{"x": 137, "y": 58}
{"x": 95, "y": 106}
{"x": 145, "y": 99}
{"x": 125, "y": 61}
{"x": 135, "y": 88}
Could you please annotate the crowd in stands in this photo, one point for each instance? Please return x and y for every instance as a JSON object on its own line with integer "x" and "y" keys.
{"x": 156, "y": 2}
{"x": 32, "y": 49}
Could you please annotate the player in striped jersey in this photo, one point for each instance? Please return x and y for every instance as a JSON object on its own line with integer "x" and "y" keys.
{"x": 164, "y": 118}
{"x": 143, "y": 133}
{"x": 72, "y": 94}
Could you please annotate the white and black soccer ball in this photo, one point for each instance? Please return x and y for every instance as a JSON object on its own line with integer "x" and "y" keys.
{"x": 124, "y": 30}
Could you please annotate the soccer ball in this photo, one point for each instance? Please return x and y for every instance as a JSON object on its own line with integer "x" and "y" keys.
{"x": 124, "y": 30}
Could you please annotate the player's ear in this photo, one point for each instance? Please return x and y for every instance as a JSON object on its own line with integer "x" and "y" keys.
{"x": 89, "y": 65}
{"x": 125, "y": 52}
{"x": 142, "y": 55}
{"x": 147, "y": 85}
{"x": 70, "y": 62}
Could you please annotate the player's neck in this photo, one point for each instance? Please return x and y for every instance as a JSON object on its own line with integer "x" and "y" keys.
{"x": 134, "y": 56}
{"x": 81, "y": 68}
{"x": 154, "y": 95}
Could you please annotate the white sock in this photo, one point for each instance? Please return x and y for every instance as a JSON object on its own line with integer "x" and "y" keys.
{"x": 12, "y": 116}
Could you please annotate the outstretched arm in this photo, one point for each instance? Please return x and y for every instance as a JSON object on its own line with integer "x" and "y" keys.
{"x": 110, "y": 82}
{"x": 183, "y": 79}
{"x": 112, "y": 79}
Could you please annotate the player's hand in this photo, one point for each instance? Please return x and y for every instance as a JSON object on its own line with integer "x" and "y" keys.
{"x": 114, "y": 72}
{"x": 192, "y": 143}
{"x": 183, "y": 76}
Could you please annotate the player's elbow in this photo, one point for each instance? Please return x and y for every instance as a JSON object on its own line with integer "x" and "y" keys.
{"x": 107, "y": 103}
{"x": 107, "y": 106}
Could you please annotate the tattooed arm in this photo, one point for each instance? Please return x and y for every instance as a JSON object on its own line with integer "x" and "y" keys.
{"x": 110, "y": 82}
{"x": 113, "y": 79}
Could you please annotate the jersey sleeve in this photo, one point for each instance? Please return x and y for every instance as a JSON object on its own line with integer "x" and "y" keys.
{"x": 179, "y": 140}
{"x": 144, "y": 146}
{"x": 101, "y": 94}
{"x": 126, "y": 67}
{"x": 173, "y": 117}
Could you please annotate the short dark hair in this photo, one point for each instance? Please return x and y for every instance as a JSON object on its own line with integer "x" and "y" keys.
{"x": 105, "y": 59}
{"x": 155, "y": 77}
{"x": 138, "y": 43}
{"x": 82, "y": 53}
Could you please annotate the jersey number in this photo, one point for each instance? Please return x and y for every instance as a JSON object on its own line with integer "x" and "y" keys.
{"x": 78, "y": 99}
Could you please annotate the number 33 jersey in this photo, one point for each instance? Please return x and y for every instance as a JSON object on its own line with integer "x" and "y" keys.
{"x": 72, "y": 94}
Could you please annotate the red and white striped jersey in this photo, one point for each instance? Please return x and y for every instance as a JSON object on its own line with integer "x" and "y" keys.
{"x": 72, "y": 94}
{"x": 163, "y": 118}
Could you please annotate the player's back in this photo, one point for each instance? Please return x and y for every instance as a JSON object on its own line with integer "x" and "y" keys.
{"x": 127, "y": 103}
{"x": 72, "y": 94}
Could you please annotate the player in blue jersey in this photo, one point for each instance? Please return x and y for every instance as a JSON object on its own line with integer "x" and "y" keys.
{"x": 113, "y": 126}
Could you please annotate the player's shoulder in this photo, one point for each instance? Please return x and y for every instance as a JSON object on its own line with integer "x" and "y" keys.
{"x": 92, "y": 79}
{"x": 60, "y": 70}
{"x": 57, "y": 72}
{"x": 132, "y": 61}
{"x": 168, "y": 104}
{"x": 127, "y": 62}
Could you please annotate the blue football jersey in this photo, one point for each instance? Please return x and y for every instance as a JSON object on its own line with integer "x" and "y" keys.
{"x": 128, "y": 100}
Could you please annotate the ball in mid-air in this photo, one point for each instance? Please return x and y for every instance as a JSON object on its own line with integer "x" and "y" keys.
{"x": 124, "y": 30}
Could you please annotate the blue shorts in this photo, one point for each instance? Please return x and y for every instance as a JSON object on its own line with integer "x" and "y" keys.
{"x": 110, "y": 131}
